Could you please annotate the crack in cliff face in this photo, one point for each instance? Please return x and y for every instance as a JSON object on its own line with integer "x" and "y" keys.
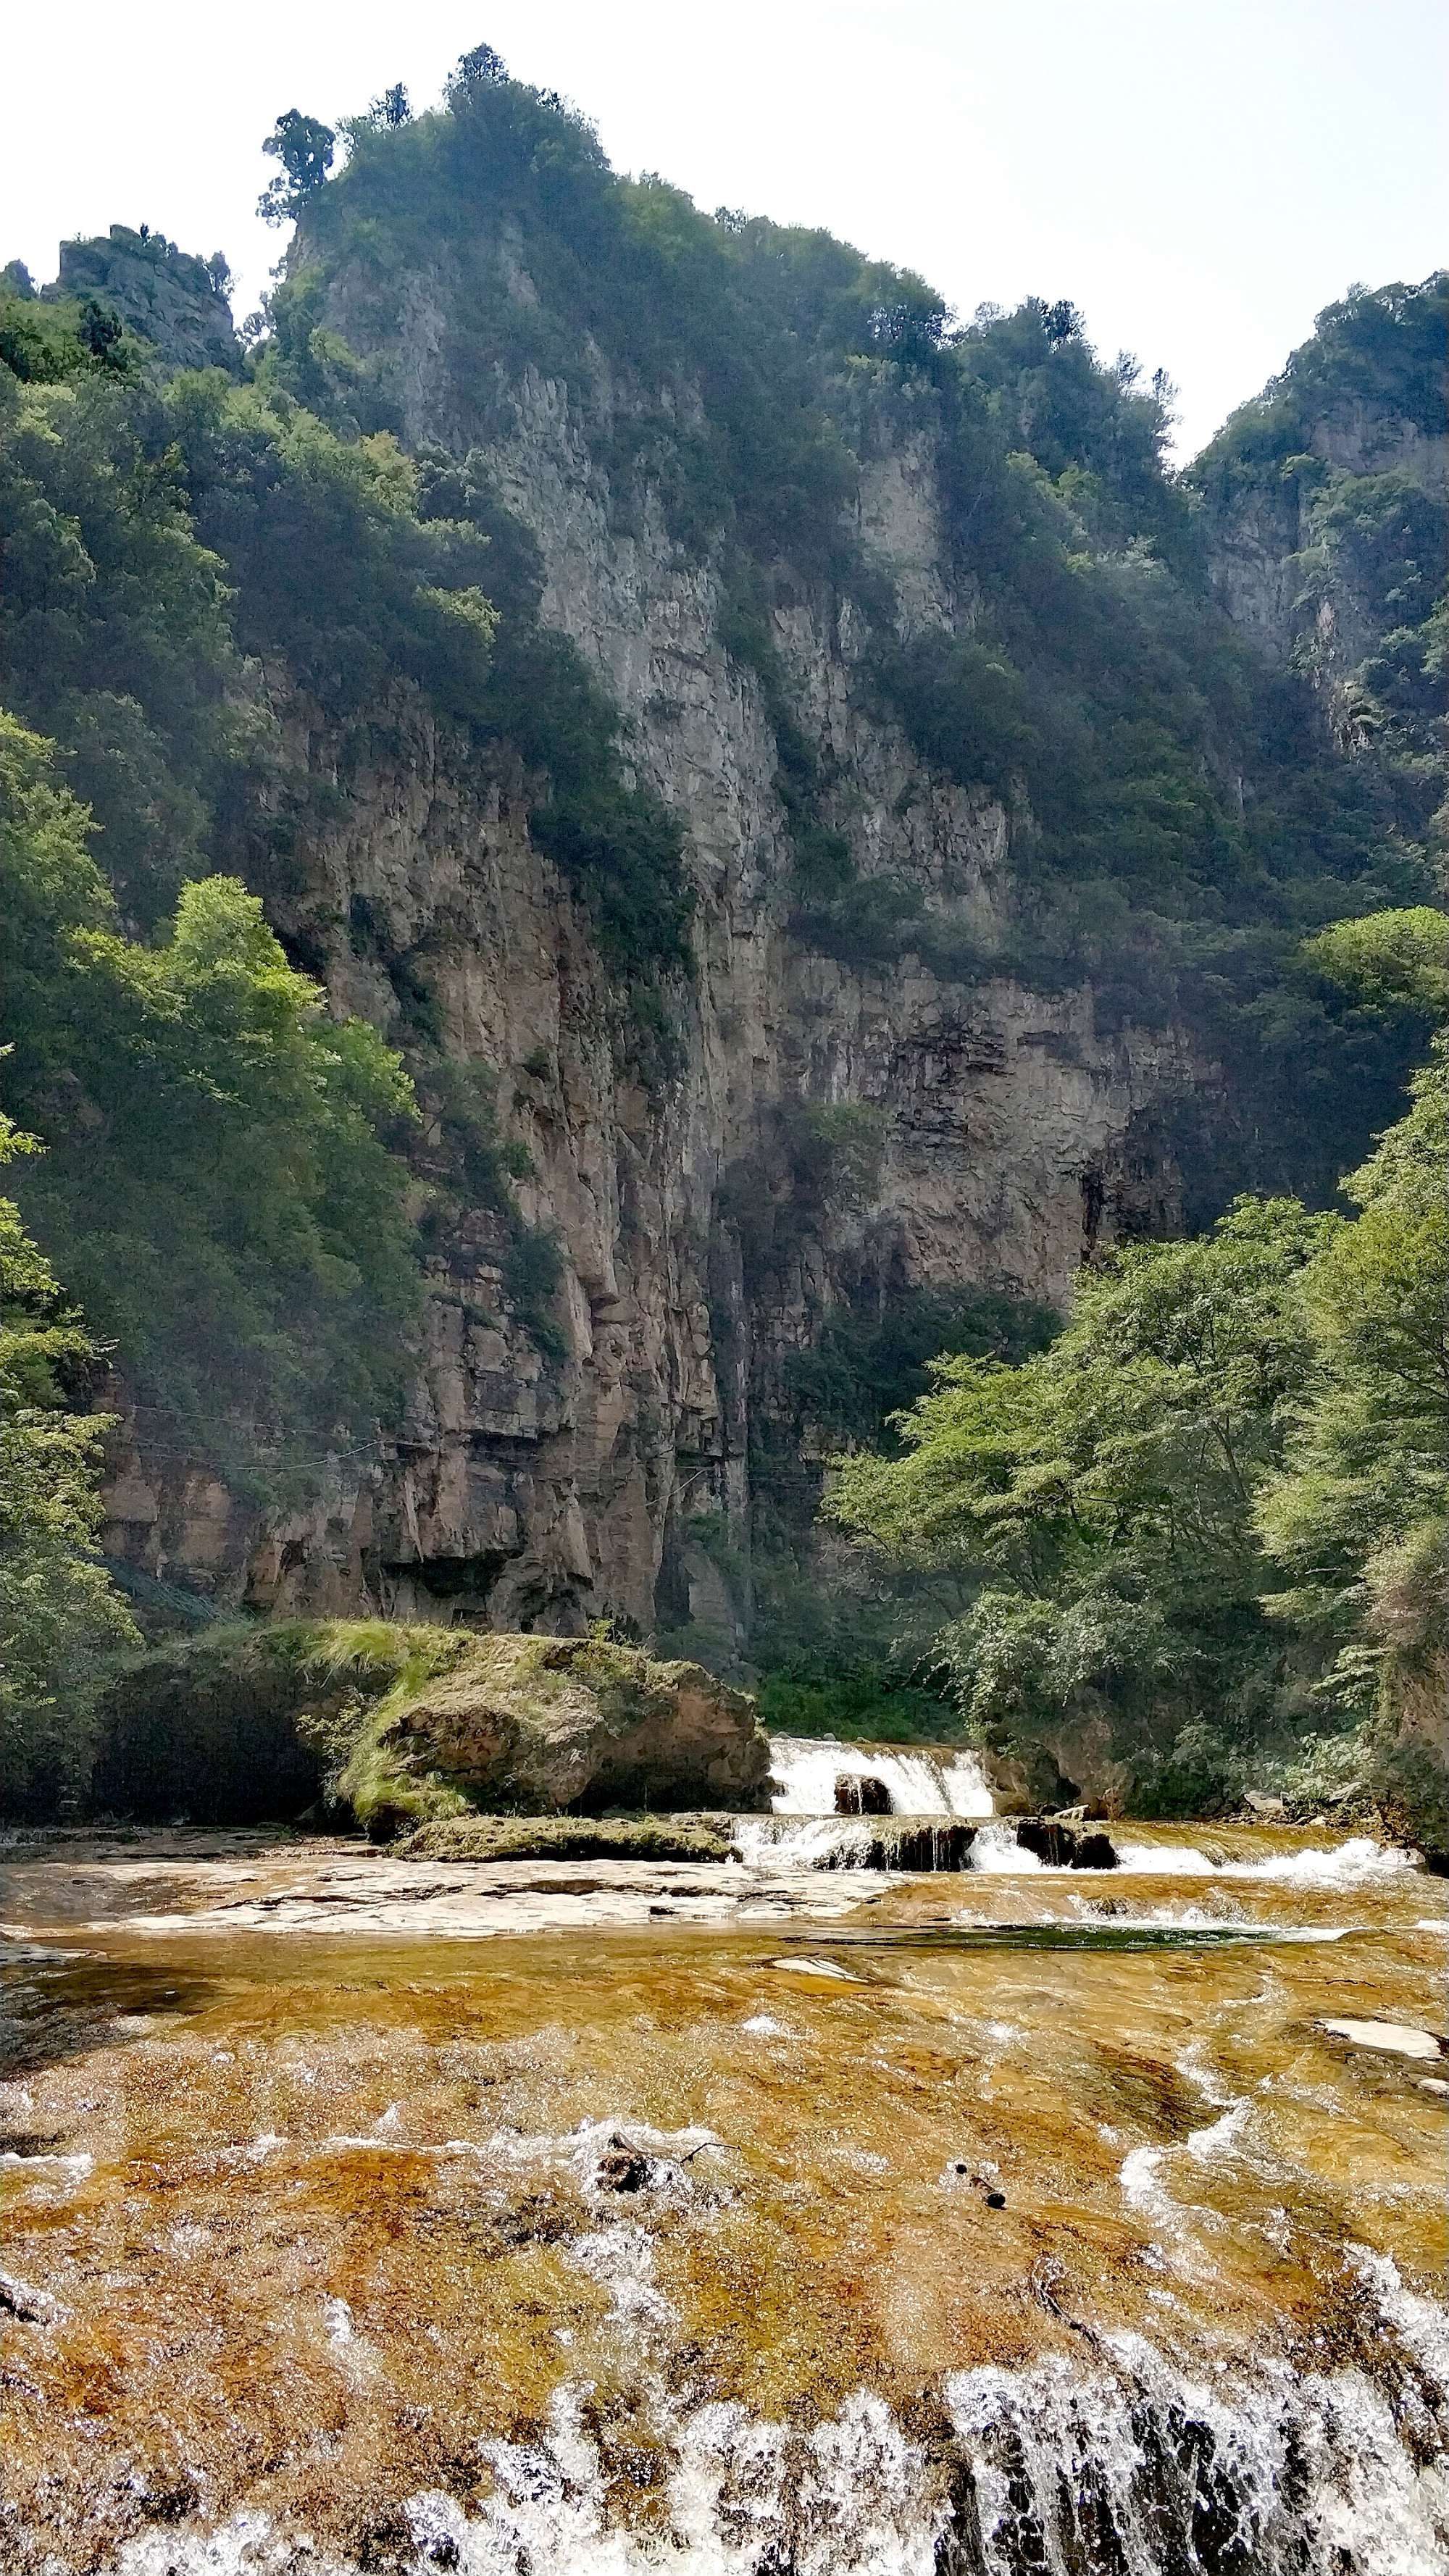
{"x": 536, "y": 1485}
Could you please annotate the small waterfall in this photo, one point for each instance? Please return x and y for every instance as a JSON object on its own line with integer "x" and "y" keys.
{"x": 920, "y": 1779}
{"x": 1121, "y": 2464}
{"x": 867, "y": 1806}
{"x": 913, "y": 1843}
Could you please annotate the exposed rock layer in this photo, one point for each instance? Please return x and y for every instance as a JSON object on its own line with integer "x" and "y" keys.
{"x": 1003, "y": 1134}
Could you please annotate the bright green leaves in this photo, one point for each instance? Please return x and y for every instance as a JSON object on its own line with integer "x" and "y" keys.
{"x": 114, "y": 634}
{"x": 1368, "y": 1458}
{"x": 219, "y": 1188}
{"x": 1269, "y": 1400}
{"x": 1103, "y": 1494}
{"x": 59, "y": 1618}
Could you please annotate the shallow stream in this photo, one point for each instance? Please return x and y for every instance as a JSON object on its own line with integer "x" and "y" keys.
{"x": 813, "y": 2225}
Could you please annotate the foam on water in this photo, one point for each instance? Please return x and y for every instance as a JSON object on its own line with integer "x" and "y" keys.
{"x": 815, "y": 1842}
{"x": 997, "y": 1849}
{"x": 1358, "y": 1862}
{"x": 1124, "y": 2467}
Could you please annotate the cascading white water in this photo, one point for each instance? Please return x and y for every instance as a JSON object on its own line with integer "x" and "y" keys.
{"x": 922, "y": 1780}
{"x": 806, "y": 1831}
{"x": 1126, "y": 2466}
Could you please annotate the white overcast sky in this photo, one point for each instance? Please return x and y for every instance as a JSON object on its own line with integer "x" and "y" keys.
{"x": 1200, "y": 176}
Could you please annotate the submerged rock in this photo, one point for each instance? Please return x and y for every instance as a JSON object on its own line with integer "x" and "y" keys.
{"x": 1064, "y": 1845}
{"x": 1398, "y": 2038}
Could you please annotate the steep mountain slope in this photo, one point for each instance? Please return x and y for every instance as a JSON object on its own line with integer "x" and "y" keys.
{"x": 850, "y": 867}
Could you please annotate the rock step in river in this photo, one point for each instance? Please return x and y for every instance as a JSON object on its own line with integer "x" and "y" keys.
{"x": 917, "y": 1807}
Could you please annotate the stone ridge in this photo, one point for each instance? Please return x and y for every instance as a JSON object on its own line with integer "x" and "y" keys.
{"x": 168, "y": 296}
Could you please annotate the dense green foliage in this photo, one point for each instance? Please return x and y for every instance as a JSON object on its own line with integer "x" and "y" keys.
{"x": 1190, "y": 1522}
{"x": 59, "y": 1618}
{"x": 1367, "y": 542}
{"x": 42, "y": 342}
{"x": 1357, "y": 1515}
{"x": 1384, "y": 348}
{"x": 218, "y": 1187}
{"x": 1103, "y": 1492}
{"x": 305, "y": 147}
{"x": 168, "y": 545}
{"x": 179, "y": 555}
{"x": 1179, "y": 815}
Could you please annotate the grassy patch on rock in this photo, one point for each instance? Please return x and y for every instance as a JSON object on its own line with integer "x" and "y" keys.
{"x": 570, "y": 1838}
{"x": 396, "y": 1726}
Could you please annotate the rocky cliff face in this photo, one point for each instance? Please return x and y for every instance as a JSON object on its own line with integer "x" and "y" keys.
{"x": 1351, "y": 430}
{"x": 999, "y": 1136}
{"x": 172, "y": 299}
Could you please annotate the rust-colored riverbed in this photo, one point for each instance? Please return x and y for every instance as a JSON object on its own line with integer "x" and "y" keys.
{"x": 585, "y": 2218}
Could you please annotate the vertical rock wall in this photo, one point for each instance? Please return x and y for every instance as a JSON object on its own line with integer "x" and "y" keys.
{"x": 1004, "y": 1136}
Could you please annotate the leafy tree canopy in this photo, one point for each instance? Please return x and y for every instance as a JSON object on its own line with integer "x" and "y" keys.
{"x": 59, "y": 1618}
{"x": 219, "y": 1186}
{"x": 305, "y": 147}
{"x": 1102, "y": 1497}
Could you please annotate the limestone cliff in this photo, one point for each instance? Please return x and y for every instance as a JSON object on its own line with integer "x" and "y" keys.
{"x": 1009, "y": 1136}
{"x": 823, "y": 1127}
{"x": 1327, "y": 496}
{"x": 171, "y": 299}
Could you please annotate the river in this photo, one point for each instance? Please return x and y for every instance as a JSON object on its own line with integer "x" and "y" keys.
{"x": 751, "y": 2219}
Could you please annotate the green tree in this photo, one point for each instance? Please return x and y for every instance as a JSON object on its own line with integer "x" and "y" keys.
{"x": 220, "y": 1188}
{"x": 1389, "y": 959}
{"x": 392, "y": 108}
{"x": 1102, "y": 1494}
{"x": 59, "y": 1616}
{"x": 305, "y": 147}
{"x": 1358, "y": 1514}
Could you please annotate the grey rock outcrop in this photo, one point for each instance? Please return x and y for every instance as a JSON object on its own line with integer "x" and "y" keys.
{"x": 1012, "y": 1133}
{"x": 170, "y": 298}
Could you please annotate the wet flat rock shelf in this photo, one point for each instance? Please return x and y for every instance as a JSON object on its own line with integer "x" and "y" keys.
{"x": 543, "y": 2215}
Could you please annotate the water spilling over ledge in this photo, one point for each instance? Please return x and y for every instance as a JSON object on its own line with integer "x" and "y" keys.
{"x": 918, "y": 1780}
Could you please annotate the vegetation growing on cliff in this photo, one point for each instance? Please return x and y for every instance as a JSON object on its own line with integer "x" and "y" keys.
{"x": 60, "y": 1620}
{"x": 1184, "y": 1521}
{"x": 1178, "y": 814}
{"x": 1328, "y": 467}
{"x": 181, "y": 557}
{"x": 219, "y": 1188}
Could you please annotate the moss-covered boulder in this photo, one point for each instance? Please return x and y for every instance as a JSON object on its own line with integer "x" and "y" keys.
{"x": 398, "y": 1725}
{"x": 552, "y": 1726}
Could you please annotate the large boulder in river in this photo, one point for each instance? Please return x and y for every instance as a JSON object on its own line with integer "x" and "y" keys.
{"x": 396, "y": 1723}
{"x": 554, "y": 1725}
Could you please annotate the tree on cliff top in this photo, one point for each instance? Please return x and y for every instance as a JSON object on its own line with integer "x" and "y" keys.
{"x": 305, "y": 148}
